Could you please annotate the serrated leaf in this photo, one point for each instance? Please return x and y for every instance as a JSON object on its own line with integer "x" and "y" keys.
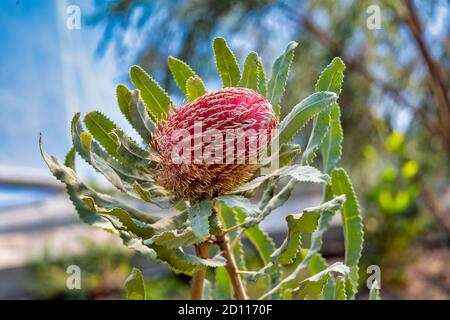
{"x": 240, "y": 203}
{"x": 296, "y": 172}
{"x": 332, "y": 77}
{"x": 222, "y": 289}
{"x": 282, "y": 156}
{"x": 331, "y": 145}
{"x": 302, "y": 113}
{"x": 194, "y": 88}
{"x": 140, "y": 119}
{"x": 352, "y": 226}
{"x": 226, "y": 63}
{"x": 249, "y": 77}
{"x": 131, "y": 152}
{"x": 259, "y": 238}
{"x": 262, "y": 84}
{"x": 100, "y": 127}
{"x": 199, "y": 218}
{"x": 340, "y": 289}
{"x": 137, "y": 227}
{"x": 157, "y": 101}
{"x": 280, "y": 72}
{"x": 135, "y": 285}
{"x": 181, "y": 72}
{"x": 313, "y": 286}
{"x": 124, "y": 100}
{"x": 316, "y": 242}
{"x": 173, "y": 239}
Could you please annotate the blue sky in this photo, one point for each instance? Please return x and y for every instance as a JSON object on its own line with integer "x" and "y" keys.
{"x": 47, "y": 73}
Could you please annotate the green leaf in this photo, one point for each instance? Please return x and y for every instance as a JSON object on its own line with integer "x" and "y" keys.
{"x": 173, "y": 239}
{"x": 181, "y": 72}
{"x": 280, "y": 72}
{"x": 290, "y": 280}
{"x": 100, "y": 127}
{"x": 302, "y": 113}
{"x": 228, "y": 219}
{"x": 222, "y": 289}
{"x": 226, "y": 63}
{"x": 194, "y": 88}
{"x": 262, "y": 84}
{"x": 318, "y": 132}
{"x": 131, "y": 152}
{"x": 296, "y": 172}
{"x": 374, "y": 293}
{"x": 207, "y": 290}
{"x": 240, "y": 203}
{"x": 135, "y": 285}
{"x": 259, "y": 238}
{"x": 352, "y": 225}
{"x": 140, "y": 119}
{"x": 331, "y": 145}
{"x": 312, "y": 287}
{"x": 249, "y": 77}
{"x": 340, "y": 289}
{"x": 137, "y": 227}
{"x": 124, "y": 100}
{"x": 69, "y": 161}
{"x": 156, "y": 99}
{"x": 199, "y": 218}
{"x": 332, "y": 77}
{"x": 283, "y": 156}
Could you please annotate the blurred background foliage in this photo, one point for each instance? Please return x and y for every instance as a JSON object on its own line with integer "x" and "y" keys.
{"x": 396, "y": 110}
{"x": 395, "y": 114}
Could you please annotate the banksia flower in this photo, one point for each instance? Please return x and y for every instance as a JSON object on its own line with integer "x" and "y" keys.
{"x": 239, "y": 123}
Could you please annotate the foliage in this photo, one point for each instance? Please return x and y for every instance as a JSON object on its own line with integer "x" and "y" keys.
{"x": 222, "y": 221}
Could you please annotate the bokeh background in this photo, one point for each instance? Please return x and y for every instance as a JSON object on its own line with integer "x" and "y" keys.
{"x": 395, "y": 112}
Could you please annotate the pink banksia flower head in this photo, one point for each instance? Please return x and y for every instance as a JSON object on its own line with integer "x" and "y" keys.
{"x": 223, "y": 112}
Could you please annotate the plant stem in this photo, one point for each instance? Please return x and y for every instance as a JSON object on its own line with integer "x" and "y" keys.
{"x": 198, "y": 277}
{"x": 238, "y": 287}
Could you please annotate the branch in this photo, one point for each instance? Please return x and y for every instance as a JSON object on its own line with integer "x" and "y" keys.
{"x": 238, "y": 287}
{"x": 198, "y": 278}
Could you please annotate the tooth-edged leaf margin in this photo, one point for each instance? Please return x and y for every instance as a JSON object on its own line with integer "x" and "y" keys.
{"x": 330, "y": 79}
{"x": 296, "y": 172}
{"x": 226, "y": 63}
{"x": 135, "y": 226}
{"x": 194, "y": 88}
{"x": 249, "y": 78}
{"x": 123, "y": 95}
{"x": 177, "y": 260}
{"x": 77, "y": 189}
{"x": 312, "y": 287}
{"x": 339, "y": 293}
{"x": 119, "y": 175}
{"x": 262, "y": 84}
{"x": 240, "y": 203}
{"x": 331, "y": 145}
{"x": 283, "y": 156}
{"x": 315, "y": 244}
{"x": 173, "y": 239}
{"x": 140, "y": 119}
{"x": 280, "y": 72}
{"x": 181, "y": 72}
{"x": 308, "y": 222}
{"x": 153, "y": 193}
{"x": 302, "y": 113}
{"x": 131, "y": 152}
{"x": 134, "y": 285}
{"x": 199, "y": 214}
{"x": 181, "y": 262}
{"x": 352, "y": 226}
{"x": 156, "y": 100}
